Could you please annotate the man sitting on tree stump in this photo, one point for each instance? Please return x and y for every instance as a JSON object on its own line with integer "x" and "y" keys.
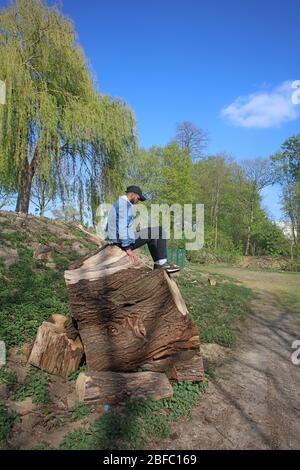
{"x": 119, "y": 231}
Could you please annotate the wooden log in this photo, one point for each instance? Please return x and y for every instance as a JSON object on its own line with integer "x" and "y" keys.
{"x": 212, "y": 281}
{"x": 128, "y": 315}
{"x": 184, "y": 365}
{"x": 115, "y": 387}
{"x": 53, "y": 351}
{"x": 70, "y": 328}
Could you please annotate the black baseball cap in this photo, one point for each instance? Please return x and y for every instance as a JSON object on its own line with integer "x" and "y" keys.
{"x": 137, "y": 190}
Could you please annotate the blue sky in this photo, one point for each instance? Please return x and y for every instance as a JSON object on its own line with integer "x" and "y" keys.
{"x": 225, "y": 65}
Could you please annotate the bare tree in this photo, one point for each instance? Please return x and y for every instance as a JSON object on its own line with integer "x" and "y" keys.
{"x": 258, "y": 174}
{"x": 191, "y": 138}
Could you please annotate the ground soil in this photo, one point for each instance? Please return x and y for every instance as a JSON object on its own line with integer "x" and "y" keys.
{"x": 254, "y": 400}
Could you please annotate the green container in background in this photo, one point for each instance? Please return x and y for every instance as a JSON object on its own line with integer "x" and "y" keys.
{"x": 176, "y": 256}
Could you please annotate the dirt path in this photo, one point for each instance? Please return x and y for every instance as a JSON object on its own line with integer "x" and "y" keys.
{"x": 254, "y": 402}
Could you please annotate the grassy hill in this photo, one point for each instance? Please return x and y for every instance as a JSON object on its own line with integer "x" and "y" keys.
{"x": 34, "y": 252}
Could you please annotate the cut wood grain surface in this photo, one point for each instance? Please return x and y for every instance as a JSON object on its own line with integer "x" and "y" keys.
{"x": 53, "y": 351}
{"x": 115, "y": 387}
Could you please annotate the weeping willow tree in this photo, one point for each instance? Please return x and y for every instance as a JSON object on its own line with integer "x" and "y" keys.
{"x": 54, "y": 120}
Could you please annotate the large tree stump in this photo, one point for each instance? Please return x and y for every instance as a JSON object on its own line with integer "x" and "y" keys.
{"x": 53, "y": 351}
{"x": 115, "y": 387}
{"x": 129, "y": 315}
{"x": 184, "y": 365}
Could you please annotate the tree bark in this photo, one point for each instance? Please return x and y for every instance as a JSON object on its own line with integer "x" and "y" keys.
{"x": 129, "y": 316}
{"x": 184, "y": 365}
{"x": 26, "y": 175}
{"x": 249, "y": 229}
{"x": 216, "y": 212}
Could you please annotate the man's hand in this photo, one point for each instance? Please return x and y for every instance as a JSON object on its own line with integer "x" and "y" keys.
{"x": 134, "y": 259}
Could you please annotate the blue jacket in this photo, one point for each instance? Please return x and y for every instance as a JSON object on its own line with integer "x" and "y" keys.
{"x": 119, "y": 227}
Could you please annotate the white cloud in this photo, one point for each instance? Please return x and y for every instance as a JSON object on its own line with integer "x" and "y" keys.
{"x": 264, "y": 109}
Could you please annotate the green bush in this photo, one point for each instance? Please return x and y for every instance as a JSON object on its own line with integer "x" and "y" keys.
{"x": 292, "y": 266}
{"x": 212, "y": 257}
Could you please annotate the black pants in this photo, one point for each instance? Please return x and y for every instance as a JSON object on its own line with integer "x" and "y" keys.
{"x": 154, "y": 237}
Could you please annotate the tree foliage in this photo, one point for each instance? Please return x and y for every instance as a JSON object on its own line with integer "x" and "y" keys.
{"x": 231, "y": 194}
{"x": 54, "y": 113}
{"x": 286, "y": 167}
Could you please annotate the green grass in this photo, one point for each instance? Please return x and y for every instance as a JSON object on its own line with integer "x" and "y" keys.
{"x": 184, "y": 398}
{"x": 15, "y": 237}
{"x": 73, "y": 375}
{"x": 7, "y": 420}
{"x": 215, "y": 309}
{"x": 29, "y": 290}
{"x": 62, "y": 261}
{"x": 29, "y": 293}
{"x": 36, "y": 386}
{"x": 292, "y": 299}
{"x": 83, "y": 239}
{"x": 79, "y": 410}
{"x": 8, "y": 377}
{"x": 288, "y": 297}
{"x": 286, "y": 292}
